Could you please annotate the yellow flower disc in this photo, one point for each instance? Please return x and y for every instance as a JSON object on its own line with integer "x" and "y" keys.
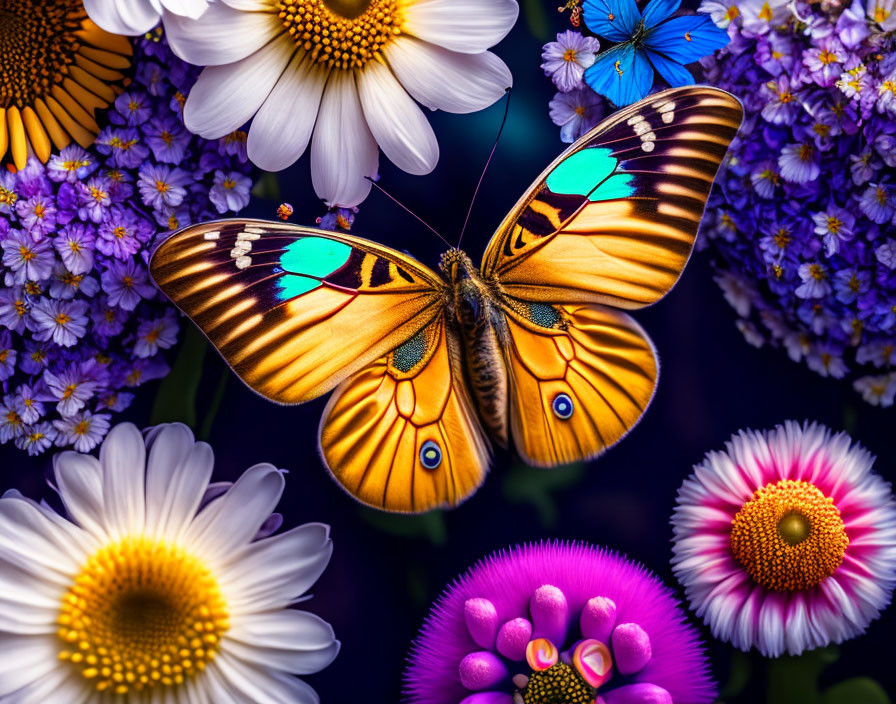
{"x": 343, "y": 34}
{"x": 141, "y": 614}
{"x": 789, "y": 536}
{"x": 57, "y": 68}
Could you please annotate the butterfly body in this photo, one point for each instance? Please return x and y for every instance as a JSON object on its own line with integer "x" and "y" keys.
{"x": 429, "y": 368}
{"x": 475, "y": 310}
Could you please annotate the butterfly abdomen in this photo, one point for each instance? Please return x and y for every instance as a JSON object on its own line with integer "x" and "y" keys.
{"x": 477, "y": 318}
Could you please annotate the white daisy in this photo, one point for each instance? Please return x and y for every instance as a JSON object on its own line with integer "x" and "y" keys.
{"x": 133, "y": 17}
{"x": 151, "y": 591}
{"x": 342, "y": 75}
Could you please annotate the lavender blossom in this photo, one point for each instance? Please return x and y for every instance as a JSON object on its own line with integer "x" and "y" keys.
{"x": 80, "y": 319}
{"x": 800, "y": 221}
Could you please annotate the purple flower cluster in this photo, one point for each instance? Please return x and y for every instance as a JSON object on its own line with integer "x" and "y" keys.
{"x": 801, "y": 222}
{"x": 575, "y": 109}
{"x": 81, "y": 322}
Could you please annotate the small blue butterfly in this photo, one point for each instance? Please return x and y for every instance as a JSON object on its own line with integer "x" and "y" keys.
{"x": 624, "y": 74}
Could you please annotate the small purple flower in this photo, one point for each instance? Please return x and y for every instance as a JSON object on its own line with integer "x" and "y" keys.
{"x": 815, "y": 281}
{"x": 825, "y": 60}
{"x": 14, "y": 309}
{"x": 72, "y": 388}
{"x": 36, "y": 438}
{"x": 11, "y": 423}
{"x": 566, "y": 59}
{"x": 781, "y": 107}
{"x": 35, "y": 358}
{"x": 162, "y": 185}
{"x": 29, "y": 404}
{"x": 7, "y": 355}
{"x": 878, "y": 202}
{"x": 134, "y": 107}
{"x": 834, "y": 225}
{"x": 153, "y": 335}
{"x": 827, "y": 359}
{"x": 95, "y": 198}
{"x": 75, "y": 244}
{"x": 62, "y": 321}
{"x": 83, "y": 430}
{"x": 123, "y": 145}
{"x": 886, "y": 253}
{"x": 850, "y": 284}
{"x": 230, "y": 191}
{"x": 799, "y": 163}
{"x": 108, "y": 320}
{"x": 880, "y": 354}
{"x": 168, "y": 139}
{"x": 126, "y": 283}
{"x": 575, "y": 620}
{"x": 234, "y": 144}
{"x": 37, "y": 214}
{"x": 25, "y": 258}
{"x": 122, "y": 233}
{"x": 72, "y": 164}
{"x": 877, "y": 390}
{"x": 576, "y": 112}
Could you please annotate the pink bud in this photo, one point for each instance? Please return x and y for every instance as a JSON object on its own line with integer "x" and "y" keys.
{"x": 598, "y": 618}
{"x": 550, "y": 614}
{"x": 513, "y": 637}
{"x": 481, "y": 670}
{"x": 631, "y": 648}
{"x": 482, "y": 621}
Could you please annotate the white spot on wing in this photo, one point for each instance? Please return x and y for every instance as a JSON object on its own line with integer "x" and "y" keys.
{"x": 248, "y": 235}
{"x": 243, "y": 262}
{"x": 211, "y": 235}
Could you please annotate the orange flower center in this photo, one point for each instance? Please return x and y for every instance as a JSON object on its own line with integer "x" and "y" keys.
{"x": 789, "y": 536}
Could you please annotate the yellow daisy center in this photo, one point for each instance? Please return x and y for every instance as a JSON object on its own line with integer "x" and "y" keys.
{"x": 141, "y": 614}
{"x": 343, "y": 34}
{"x": 789, "y": 536}
{"x": 37, "y": 46}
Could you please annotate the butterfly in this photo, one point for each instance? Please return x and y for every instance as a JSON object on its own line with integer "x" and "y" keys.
{"x": 430, "y": 368}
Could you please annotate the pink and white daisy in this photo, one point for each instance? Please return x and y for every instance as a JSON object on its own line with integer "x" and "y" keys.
{"x": 787, "y": 540}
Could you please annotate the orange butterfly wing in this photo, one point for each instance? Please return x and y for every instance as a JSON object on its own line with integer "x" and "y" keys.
{"x": 579, "y": 387}
{"x": 402, "y": 434}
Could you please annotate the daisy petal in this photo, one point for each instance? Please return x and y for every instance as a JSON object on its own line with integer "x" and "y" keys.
{"x": 343, "y": 151}
{"x": 128, "y": 17}
{"x": 468, "y": 26}
{"x": 123, "y": 461}
{"x": 188, "y": 8}
{"x": 290, "y": 640}
{"x": 263, "y": 687}
{"x": 26, "y": 660}
{"x": 222, "y": 36}
{"x": 225, "y": 97}
{"x": 233, "y": 519}
{"x": 177, "y": 473}
{"x": 283, "y": 125}
{"x": 397, "y": 124}
{"x": 29, "y": 538}
{"x": 80, "y": 484}
{"x": 468, "y": 82}
{"x": 273, "y": 572}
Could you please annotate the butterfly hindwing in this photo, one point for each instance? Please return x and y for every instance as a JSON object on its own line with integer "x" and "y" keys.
{"x": 580, "y": 377}
{"x": 613, "y": 219}
{"x": 295, "y": 310}
{"x": 402, "y": 434}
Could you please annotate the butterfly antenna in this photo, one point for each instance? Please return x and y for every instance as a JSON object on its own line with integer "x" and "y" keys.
{"x": 407, "y": 210}
{"x": 485, "y": 168}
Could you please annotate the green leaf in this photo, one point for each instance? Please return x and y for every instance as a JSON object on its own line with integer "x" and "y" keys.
{"x": 794, "y": 680}
{"x": 535, "y": 485}
{"x": 855, "y": 690}
{"x": 428, "y": 526}
{"x": 176, "y": 397}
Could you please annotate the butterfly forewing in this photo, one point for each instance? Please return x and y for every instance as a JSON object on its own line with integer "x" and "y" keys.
{"x": 613, "y": 219}
{"x": 295, "y": 310}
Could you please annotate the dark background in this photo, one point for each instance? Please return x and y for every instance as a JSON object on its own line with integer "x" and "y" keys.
{"x": 387, "y": 570}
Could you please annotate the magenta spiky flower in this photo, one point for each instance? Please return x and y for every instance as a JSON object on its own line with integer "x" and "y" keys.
{"x": 557, "y": 623}
{"x": 787, "y": 540}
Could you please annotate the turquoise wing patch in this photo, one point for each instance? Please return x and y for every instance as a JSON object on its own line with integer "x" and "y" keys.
{"x": 590, "y": 173}
{"x": 307, "y": 261}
